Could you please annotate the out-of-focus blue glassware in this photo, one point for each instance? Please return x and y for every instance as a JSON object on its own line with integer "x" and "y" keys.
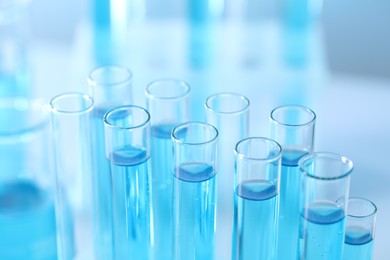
{"x": 295, "y": 21}
{"x": 359, "y": 229}
{"x": 127, "y": 136}
{"x": 194, "y": 190}
{"x": 101, "y": 17}
{"x": 202, "y": 16}
{"x": 71, "y": 127}
{"x": 292, "y": 127}
{"x": 27, "y": 214}
{"x": 14, "y": 74}
{"x": 324, "y": 195}
{"x": 168, "y": 104}
{"x": 200, "y": 33}
{"x": 109, "y": 22}
{"x": 109, "y": 86}
{"x": 256, "y": 200}
{"x": 229, "y": 113}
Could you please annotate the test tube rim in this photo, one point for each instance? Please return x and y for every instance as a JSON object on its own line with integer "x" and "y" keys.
{"x": 183, "y": 83}
{"x": 269, "y": 159}
{"x": 311, "y": 121}
{"x": 242, "y": 97}
{"x": 93, "y": 82}
{"x": 84, "y": 96}
{"x": 115, "y": 109}
{"x": 311, "y": 156}
{"x": 373, "y": 212}
{"x": 178, "y": 141}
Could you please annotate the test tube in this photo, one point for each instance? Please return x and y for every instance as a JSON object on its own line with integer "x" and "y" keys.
{"x": 256, "y": 200}
{"x": 168, "y": 104}
{"x": 292, "y": 127}
{"x": 229, "y": 113}
{"x": 72, "y": 148}
{"x": 324, "y": 194}
{"x": 359, "y": 229}
{"x": 194, "y": 190}
{"x": 127, "y": 137}
{"x": 27, "y": 214}
{"x": 109, "y": 86}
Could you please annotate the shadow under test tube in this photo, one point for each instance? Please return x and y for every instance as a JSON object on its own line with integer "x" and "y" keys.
{"x": 27, "y": 215}
{"x": 292, "y": 127}
{"x": 109, "y": 86}
{"x": 168, "y": 104}
{"x": 72, "y": 145}
{"x": 194, "y": 190}
{"x": 324, "y": 194}
{"x": 229, "y": 113}
{"x": 127, "y": 136}
{"x": 359, "y": 229}
{"x": 256, "y": 201}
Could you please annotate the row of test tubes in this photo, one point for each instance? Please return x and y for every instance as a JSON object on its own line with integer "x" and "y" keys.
{"x": 149, "y": 183}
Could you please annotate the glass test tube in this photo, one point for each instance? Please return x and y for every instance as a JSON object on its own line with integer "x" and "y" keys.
{"x": 229, "y": 113}
{"x": 324, "y": 194}
{"x": 27, "y": 215}
{"x": 109, "y": 86}
{"x": 256, "y": 202}
{"x": 293, "y": 128}
{"x": 168, "y": 103}
{"x": 359, "y": 229}
{"x": 127, "y": 136}
{"x": 72, "y": 149}
{"x": 194, "y": 190}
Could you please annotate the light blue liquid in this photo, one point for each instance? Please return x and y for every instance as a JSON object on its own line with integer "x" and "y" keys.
{"x": 358, "y": 244}
{"x": 27, "y": 222}
{"x": 290, "y": 188}
{"x": 194, "y": 203}
{"x": 322, "y": 232}
{"x": 162, "y": 190}
{"x": 255, "y": 220}
{"x": 102, "y": 205}
{"x": 132, "y": 215}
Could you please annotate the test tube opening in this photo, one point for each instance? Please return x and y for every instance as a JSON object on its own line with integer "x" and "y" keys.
{"x": 293, "y": 115}
{"x": 258, "y": 148}
{"x": 325, "y": 166}
{"x": 361, "y": 208}
{"x": 194, "y": 133}
{"x": 110, "y": 75}
{"x": 72, "y": 103}
{"x": 127, "y": 117}
{"x": 227, "y": 103}
{"x": 167, "y": 89}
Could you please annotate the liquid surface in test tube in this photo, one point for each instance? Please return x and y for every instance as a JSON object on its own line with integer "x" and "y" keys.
{"x": 194, "y": 199}
{"x": 323, "y": 227}
{"x": 27, "y": 222}
{"x": 255, "y": 213}
{"x": 290, "y": 189}
{"x": 131, "y": 203}
{"x": 358, "y": 244}
{"x": 162, "y": 177}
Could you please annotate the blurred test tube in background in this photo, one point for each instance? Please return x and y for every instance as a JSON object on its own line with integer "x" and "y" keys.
{"x": 14, "y": 71}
